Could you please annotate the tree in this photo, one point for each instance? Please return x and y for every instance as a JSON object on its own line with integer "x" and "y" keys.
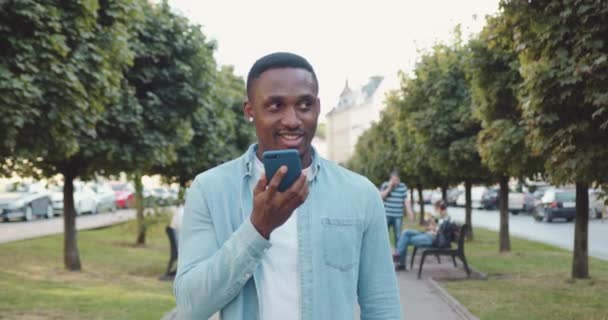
{"x": 374, "y": 155}
{"x": 63, "y": 63}
{"x": 414, "y": 166}
{"x": 220, "y": 131}
{"x": 563, "y": 53}
{"x": 168, "y": 85}
{"x": 438, "y": 109}
{"x": 493, "y": 70}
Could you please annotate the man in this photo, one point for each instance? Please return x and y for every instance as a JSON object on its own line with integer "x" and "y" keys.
{"x": 252, "y": 252}
{"x": 419, "y": 238}
{"x": 394, "y": 194}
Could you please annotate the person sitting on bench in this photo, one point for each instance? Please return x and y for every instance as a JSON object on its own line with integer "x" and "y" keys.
{"x": 420, "y": 238}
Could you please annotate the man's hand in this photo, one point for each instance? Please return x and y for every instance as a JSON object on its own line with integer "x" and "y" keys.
{"x": 272, "y": 208}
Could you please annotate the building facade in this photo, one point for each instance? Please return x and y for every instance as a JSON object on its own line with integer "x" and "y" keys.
{"x": 356, "y": 111}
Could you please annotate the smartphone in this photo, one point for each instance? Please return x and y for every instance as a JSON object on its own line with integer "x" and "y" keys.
{"x": 290, "y": 158}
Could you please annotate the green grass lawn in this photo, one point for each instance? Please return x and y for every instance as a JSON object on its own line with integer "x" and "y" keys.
{"x": 117, "y": 281}
{"x": 531, "y": 282}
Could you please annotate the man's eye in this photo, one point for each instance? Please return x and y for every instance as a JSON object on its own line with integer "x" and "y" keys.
{"x": 305, "y": 105}
{"x": 273, "y": 106}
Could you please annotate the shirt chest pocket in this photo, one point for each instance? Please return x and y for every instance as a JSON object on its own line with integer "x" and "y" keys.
{"x": 341, "y": 242}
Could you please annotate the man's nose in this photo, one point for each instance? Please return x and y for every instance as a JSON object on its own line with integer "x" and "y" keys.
{"x": 291, "y": 118}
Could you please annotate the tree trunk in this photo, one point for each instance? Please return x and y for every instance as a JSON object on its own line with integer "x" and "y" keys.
{"x": 444, "y": 194}
{"x": 71, "y": 257}
{"x": 580, "y": 267}
{"x": 139, "y": 207}
{"x": 504, "y": 240}
{"x": 412, "y": 196}
{"x": 467, "y": 208}
{"x": 421, "y": 203}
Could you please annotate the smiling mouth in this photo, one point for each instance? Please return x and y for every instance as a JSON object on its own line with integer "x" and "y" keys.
{"x": 291, "y": 140}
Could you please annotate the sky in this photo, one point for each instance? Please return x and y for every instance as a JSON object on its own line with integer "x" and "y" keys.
{"x": 342, "y": 39}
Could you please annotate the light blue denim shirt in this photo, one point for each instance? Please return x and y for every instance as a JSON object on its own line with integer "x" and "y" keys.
{"x": 343, "y": 247}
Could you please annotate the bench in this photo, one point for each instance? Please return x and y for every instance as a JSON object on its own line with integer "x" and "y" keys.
{"x": 458, "y": 252}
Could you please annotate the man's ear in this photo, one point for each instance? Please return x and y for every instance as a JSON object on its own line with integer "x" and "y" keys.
{"x": 247, "y": 109}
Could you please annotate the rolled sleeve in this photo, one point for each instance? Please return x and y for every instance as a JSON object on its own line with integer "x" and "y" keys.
{"x": 210, "y": 275}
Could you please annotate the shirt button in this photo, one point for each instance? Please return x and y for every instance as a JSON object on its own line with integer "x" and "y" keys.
{"x": 247, "y": 275}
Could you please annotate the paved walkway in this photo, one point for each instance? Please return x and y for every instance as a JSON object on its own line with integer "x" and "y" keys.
{"x": 14, "y": 231}
{"x": 424, "y": 298}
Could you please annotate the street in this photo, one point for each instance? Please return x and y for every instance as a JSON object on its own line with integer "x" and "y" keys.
{"x": 559, "y": 233}
{"x": 20, "y": 230}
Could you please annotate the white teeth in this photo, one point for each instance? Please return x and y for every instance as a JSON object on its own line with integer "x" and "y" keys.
{"x": 290, "y": 137}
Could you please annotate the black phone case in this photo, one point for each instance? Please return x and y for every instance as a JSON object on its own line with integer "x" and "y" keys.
{"x": 290, "y": 158}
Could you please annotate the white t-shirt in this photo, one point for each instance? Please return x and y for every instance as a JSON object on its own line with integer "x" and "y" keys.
{"x": 280, "y": 286}
{"x": 176, "y": 220}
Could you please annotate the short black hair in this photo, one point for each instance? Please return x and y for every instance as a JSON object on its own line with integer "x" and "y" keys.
{"x": 278, "y": 60}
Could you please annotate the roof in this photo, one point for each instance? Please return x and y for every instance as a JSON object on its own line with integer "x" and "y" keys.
{"x": 350, "y": 98}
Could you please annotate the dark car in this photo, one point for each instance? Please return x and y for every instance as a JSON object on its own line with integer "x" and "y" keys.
{"x": 555, "y": 204}
{"x": 489, "y": 199}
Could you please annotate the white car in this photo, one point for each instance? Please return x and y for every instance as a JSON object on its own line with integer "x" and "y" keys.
{"x": 104, "y": 197}
{"x": 521, "y": 202}
{"x": 476, "y": 196}
{"x": 84, "y": 199}
{"x": 24, "y": 201}
{"x": 162, "y": 195}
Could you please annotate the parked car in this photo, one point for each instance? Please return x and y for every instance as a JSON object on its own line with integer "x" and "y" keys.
{"x": 489, "y": 199}
{"x": 538, "y": 195}
{"x": 556, "y": 203}
{"x": 174, "y": 196}
{"x": 125, "y": 195}
{"x": 453, "y": 196}
{"x": 161, "y": 195}
{"x": 476, "y": 196}
{"x": 597, "y": 205}
{"x": 426, "y": 196}
{"x": 105, "y": 197}
{"x": 24, "y": 201}
{"x": 84, "y": 199}
{"x": 521, "y": 202}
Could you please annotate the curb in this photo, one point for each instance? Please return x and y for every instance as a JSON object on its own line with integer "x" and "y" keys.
{"x": 458, "y": 308}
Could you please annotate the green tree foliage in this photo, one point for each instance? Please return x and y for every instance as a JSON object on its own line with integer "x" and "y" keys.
{"x": 60, "y": 66}
{"x": 437, "y": 108}
{"x": 220, "y": 131}
{"x": 388, "y": 146}
{"x": 563, "y": 51}
{"x": 376, "y": 151}
{"x": 414, "y": 165}
{"x": 493, "y": 69}
{"x": 167, "y": 88}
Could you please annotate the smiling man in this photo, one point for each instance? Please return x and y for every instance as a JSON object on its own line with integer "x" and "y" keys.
{"x": 314, "y": 251}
